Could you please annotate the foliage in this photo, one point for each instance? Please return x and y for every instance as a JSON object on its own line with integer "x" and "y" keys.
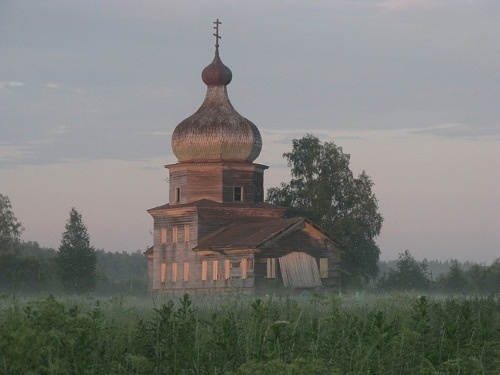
{"x": 34, "y": 269}
{"x": 10, "y": 227}
{"x": 484, "y": 279}
{"x": 454, "y": 280}
{"x": 243, "y": 335}
{"x": 76, "y": 259}
{"x": 122, "y": 266}
{"x": 408, "y": 275}
{"x": 459, "y": 278}
{"x": 435, "y": 268}
{"x": 324, "y": 190}
{"x": 17, "y": 271}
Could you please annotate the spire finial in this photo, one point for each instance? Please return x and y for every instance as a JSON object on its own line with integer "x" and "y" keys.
{"x": 217, "y": 36}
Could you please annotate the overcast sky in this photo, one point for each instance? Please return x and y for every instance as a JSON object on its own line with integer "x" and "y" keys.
{"x": 90, "y": 93}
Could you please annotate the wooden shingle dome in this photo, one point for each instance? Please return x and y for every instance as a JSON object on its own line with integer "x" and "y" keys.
{"x": 216, "y": 131}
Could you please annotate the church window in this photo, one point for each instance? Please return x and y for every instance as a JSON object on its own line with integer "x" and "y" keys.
{"x": 323, "y": 268}
{"x": 186, "y": 271}
{"x": 186, "y": 233}
{"x": 243, "y": 266}
{"x": 227, "y": 269}
{"x": 174, "y": 272}
{"x": 177, "y": 195}
{"x": 174, "y": 234}
{"x": 238, "y": 194}
{"x": 163, "y": 272}
{"x": 215, "y": 269}
{"x": 163, "y": 236}
{"x": 271, "y": 268}
{"x": 204, "y": 267}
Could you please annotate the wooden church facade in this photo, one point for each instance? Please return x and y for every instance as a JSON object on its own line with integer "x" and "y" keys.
{"x": 216, "y": 233}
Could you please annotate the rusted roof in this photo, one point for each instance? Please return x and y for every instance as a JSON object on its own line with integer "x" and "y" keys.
{"x": 246, "y": 235}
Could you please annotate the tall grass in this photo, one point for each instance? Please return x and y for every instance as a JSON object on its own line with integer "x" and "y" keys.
{"x": 242, "y": 335}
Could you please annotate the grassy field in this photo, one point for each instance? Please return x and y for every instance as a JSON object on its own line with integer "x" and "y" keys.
{"x": 315, "y": 334}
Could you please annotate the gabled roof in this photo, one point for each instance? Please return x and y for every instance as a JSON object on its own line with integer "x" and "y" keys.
{"x": 251, "y": 235}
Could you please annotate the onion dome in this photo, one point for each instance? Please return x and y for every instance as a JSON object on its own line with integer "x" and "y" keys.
{"x": 216, "y": 74}
{"x": 216, "y": 131}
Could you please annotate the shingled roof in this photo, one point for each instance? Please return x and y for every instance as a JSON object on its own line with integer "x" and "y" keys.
{"x": 212, "y": 204}
{"x": 251, "y": 235}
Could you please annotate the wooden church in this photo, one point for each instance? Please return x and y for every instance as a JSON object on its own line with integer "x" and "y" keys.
{"x": 216, "y": 234}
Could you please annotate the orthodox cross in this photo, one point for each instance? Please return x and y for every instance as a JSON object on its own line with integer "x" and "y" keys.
{"x": 217, "y": 37}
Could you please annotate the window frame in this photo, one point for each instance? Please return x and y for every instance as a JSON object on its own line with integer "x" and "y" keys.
{"x": 175, "y": 235}
{"x": 204, "y": 270}
{"x": 215, "y": 270}
{"x": 270, "y": 268}
{"x": 177, "y": 195}
{"x": 163, "y": 272}
{"x": 227, "y": 269}
{"x": 174, "y": 272}
{"x": 238, "y": 194}
{"x": 163, "y": 236}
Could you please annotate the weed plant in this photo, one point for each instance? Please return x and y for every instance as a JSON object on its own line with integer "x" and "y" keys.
{"x": 240, "y": 335}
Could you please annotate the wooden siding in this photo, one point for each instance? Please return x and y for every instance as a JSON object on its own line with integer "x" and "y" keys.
{"x": 205, "y": 220}
{"x": 250, "y": 181}
{"x": 178, "y": 180}
{"x": 242, "y": 269}
{"x": 215, "y": 181}
{"x": 179, "y": 258}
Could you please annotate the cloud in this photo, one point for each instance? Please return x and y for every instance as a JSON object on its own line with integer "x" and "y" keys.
{"x": 52, "y": 85}
{"x": 11, "y": 154}
{"x": 404, "y": 4}
{"x": 10, "y": 84}
{"x": 454, "y": 130}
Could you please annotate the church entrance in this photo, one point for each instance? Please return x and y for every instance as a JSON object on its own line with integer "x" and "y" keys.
{"x": 299, "y": 270}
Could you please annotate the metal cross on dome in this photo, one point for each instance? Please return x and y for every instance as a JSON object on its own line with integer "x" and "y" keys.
{"x": 217, "y": 36}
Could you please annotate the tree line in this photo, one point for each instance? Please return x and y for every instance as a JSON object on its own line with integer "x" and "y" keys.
{"x": 408, "y": 274}
{"x": 75, "y": 267}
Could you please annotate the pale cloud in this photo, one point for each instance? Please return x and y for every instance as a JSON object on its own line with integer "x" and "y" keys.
{"x": 53, "y": 85}
{"x": 405, "y": 4}
{"x": 10, "y": 84}
{"x": 11, "y": 153}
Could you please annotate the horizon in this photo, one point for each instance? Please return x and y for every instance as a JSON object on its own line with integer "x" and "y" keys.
{"x": 90, "y": 94}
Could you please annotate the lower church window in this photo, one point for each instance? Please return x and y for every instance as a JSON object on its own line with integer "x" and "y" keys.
{"x": 174, "y": 272}
{"x": 243, "y": 267}
{"x": 271, "y": 268}
{"x": 227, "y": 269}
{"x": 163, "y": 272}
{"x": 204, "y": 269}
{"x": 215, "y": 270}
{"x": 186, "y": 271}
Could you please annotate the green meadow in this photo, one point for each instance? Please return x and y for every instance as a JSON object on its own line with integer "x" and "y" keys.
{"x": 239, "y": 335}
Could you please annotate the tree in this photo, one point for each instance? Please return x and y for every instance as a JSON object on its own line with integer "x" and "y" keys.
{"x": 454, "y": 280}
{"x": 76, "y": 259}
{"x": 324, "y": 190}
{"x": 408, "y": 275}
{"x": 10, "y": 227}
